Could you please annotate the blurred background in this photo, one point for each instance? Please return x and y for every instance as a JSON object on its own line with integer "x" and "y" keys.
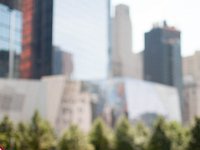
{"x": 77, "y": 60}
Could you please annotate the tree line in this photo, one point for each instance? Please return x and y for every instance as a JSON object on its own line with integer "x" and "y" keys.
{"x": 39, "y": 135}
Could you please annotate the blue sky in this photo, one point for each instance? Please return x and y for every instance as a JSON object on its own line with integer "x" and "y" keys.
{"x": 183, "y": 14}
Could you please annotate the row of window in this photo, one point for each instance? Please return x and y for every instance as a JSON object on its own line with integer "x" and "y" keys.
{"x": 5, "y": 14}
{"x": 5, "y": 46}
{"x": 69, "y": 111}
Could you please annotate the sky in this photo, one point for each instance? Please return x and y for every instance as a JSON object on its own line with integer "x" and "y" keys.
{"x": 182, "y": 14}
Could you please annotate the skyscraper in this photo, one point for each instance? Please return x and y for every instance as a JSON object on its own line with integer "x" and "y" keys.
{"x": 122, "y": 55}
{"x": 10, "y": 39}
{"x": 79, "y": 27}
{"x": 13, "y": 4}
{"x": 36, "y": 58}
{"x": 162, "y": 57}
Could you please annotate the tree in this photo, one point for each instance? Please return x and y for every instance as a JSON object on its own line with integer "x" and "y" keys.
{"x": 124, "y": 138}
{"x": 178, "y": 135}
{"x": 194, "y": 143}
{"x": 159, "y": 139}
{"x": 41, "y": 133}
{"x": 22, "y": 137}
{"x": 6, "y": 133}
{"x": 141, "y": 135}
{"x": 99, "y": 136}
{"x": 74, "y": 139}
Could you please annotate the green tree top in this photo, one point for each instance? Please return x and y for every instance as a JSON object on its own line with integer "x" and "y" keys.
{"x": 194, "y": 143}
{"x": 74, "y": 139}
{"x": 178, "y": 135}
{"x": 6, "y": 133}
{"x": 159, "y": 139}
{"x": 41, "y": 133}
{"x": 141, "y": 135}
{"x": 100, "y": 136}
{"x": 124, "y": 137}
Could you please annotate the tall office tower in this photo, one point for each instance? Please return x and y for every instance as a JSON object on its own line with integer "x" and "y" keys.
{"x": 36, "y": 57}
{"x": 10, "y": 39}
{"x": 162, "y": 57}
{"x": 122, "y": 55}
{"x": 79, "y": 27}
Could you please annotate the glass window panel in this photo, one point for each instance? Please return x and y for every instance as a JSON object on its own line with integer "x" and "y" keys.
{"x": 81, "y": 28}
{"x": 4, "y": 45}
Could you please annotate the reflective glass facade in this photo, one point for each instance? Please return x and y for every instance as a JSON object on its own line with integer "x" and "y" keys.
{"x": 162, "y": 58}
{"x": 81, "y": 27}
{"x": 10, "y": 24}
{"x": 36, "y": 57}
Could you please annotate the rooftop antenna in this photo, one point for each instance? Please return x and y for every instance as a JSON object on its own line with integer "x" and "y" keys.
{"x": 165, "y": 23}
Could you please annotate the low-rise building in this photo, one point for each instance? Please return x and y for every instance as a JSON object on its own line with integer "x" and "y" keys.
{"x": 136, "y": 99}
{"x": 64, "y": 102}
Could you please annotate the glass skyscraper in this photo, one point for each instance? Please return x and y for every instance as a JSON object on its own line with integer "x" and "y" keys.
{"x": 162, "y": 57}
{"x": 78, "y": 27}
{"x": 10, "y": 39}
{"x": 81, "y": 28}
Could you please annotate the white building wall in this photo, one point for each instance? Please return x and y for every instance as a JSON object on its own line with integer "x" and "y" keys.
{"x": 63, "y": 102}
{"x": 146, "y": 97}
{"x": 54, "y": 88}
{"x": 20, "y": 98}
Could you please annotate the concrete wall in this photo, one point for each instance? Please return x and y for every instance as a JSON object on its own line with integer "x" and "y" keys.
{"x": 20, "y": 98}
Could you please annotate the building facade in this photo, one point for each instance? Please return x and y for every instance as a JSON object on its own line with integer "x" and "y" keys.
{"x": 20, "y": 98}
{"x": 78, "y": 27}
{"x": 162, "y": 57}
{"x": 138, "y": 65}
{"x": 79, "y": 102}
{"x": 13, "y": 4}
{"x": 36, "y": 57}
{"x": 122, "y": 55}
{"x": 63, "y": 62}
{"x": 191, "y": 65}
{"x": 75, "y": 107}
{"x": 69, "y": 104}
{"x": 192, "y": 100}
{"x": 124, "y": 62}
{"x": 125, "y": 96}
{"x": 10, "y": 40}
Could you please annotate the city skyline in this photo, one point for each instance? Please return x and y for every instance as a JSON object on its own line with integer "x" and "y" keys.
{"x": 145, "y": 13}
{"x": 81, "y": 59}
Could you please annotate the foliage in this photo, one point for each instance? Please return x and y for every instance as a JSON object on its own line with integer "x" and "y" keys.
{"x": 41, "y": 133}
{"x": 22, "y": 137}
{"x": 159, "y": 139}
{"x": 141, "y": 135}
{"x": 6, "y": 133}
{"x": 178, "y": 135}
{"x": 74, "y": 139}
{"x": 124, "y": 138}
{"x": 99, "y": 136}
{"x": 194, "y": 143}
{"x": 38, "y": 135}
